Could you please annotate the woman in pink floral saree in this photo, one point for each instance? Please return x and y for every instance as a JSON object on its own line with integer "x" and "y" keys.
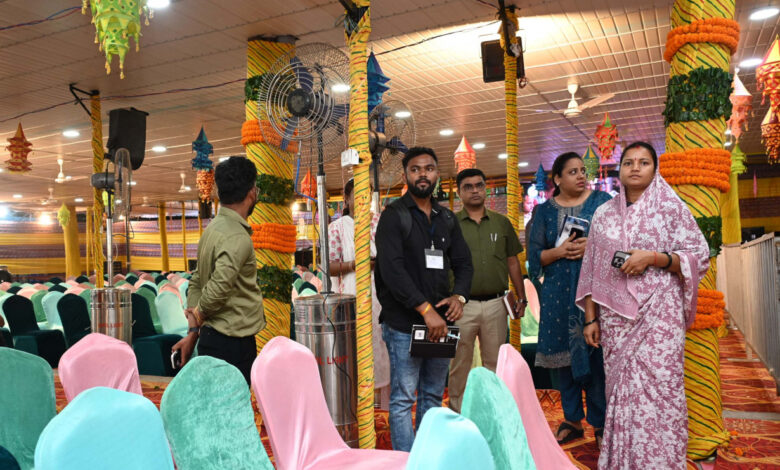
{"x": 639, "y": 312}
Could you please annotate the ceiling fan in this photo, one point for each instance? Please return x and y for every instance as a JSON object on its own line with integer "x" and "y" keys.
{"x": 574, "y": 109}
{"x": 183, "y": 188}
{"x": 50, "y": 199}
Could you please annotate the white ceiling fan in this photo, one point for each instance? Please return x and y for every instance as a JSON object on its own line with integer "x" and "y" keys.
{"x": 50, "y": 199}
{"x": 574, "y": 109}
{"x": 183, "y": 188}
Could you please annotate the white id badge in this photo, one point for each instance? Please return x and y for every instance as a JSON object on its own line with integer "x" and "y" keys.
{"x": 434, "y": 259}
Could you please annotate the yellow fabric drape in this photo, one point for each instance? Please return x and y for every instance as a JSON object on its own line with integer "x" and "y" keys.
{"x": 72, "y": 248}
{"x": 184, "y": 238}
{"x": 162, "y": 222}
{"x": 732, "y": 225}
{"x": 97, "y": 203}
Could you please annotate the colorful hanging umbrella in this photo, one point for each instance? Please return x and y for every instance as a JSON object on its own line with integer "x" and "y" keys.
{"x": 591, "y": 163}
{"x": 202, "y": 149}
{"x": 742, "y": 105}
{"x": 768, "y": 76}
{"x": 377, "y": 82}
{"x": 770, "y": 131}
{"x": 606, "y": 138}
{"x": 465, "y": 156}
{"x": 115, "y": 22}
{"x": 19, "y": 148}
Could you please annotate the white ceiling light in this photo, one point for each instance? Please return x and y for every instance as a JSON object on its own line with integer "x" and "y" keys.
{"x": 159, "y": 148}
{"x": 478, "y": 146}
{"x": 17, "y": 196}
{"x": 728, "y": 131}
{"x": 158, "y": 4}
{"x": 133, "y": 183}
{"x": 45, "y": 219}
{"x": 727, "y": 144}
{"x": 79, "y": 199}
{"x": 764, "y": 13}
{"x": 502, "y": 156}
{"x": 750, "y": 63}
{"x": 446, "y": 132}
{"x": 4, "y": 212}
{"x": 118, "y": 201}
{"x": 340, "y": 88}
{"x": 403, "y": 114}
{"x": 1, "y": 170}
{"x": 222, "y": 159}
{"x": 522, "y": 164}
{"x": 71, "y": 133}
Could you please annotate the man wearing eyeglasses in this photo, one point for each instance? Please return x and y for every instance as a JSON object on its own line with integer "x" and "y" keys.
{"x": 494, "y": 247}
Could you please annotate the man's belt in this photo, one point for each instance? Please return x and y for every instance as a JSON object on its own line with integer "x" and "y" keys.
{"x": 485, "y": 298}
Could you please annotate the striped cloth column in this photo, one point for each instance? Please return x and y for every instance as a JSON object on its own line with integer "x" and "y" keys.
{"x": 97, "y": 203}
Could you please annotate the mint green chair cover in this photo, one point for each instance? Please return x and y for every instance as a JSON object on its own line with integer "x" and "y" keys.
{"x": 162, "y": 283}
{"x": 528, "y": 324}
{"x": 120, "y": 283}
{"x": 150, "y": 297}
{"x": 209, "y": 419}
{"x": 104, "y": 428}
{"x": 37, "y": 299}
{"x": 27, "y": 402}
{"x": 171, "y": 313}
{"x": 47, "y": 284}
{"x": 183, "y": 291}
{"x": 49, "y": 303}
{"x": 2, "y": 301}
{"x": 490, "y": 405}
{"x": 86, "y": 294}
{"x": 297, "y": 284}
{"x": 448, "y": 441}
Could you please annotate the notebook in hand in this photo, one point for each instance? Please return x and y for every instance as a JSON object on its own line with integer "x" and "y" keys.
{"x": 445, "y": 347}
{"x": 572, "y": 225}
{"x": 510, "y": 303}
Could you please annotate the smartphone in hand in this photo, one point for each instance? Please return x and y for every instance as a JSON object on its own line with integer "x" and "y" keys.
{"x": 176, "y": 359}
{"x": 619, "y": 259}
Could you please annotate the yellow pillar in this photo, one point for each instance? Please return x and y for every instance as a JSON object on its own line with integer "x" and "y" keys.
{"x": 97, "y": 203}
{"x": 89, "y": 241}
{"x": 732, "y": 225}
{"x": 184, "y": 238}
{"x": 72, "y": 248}
{"x": 162, "y": 222}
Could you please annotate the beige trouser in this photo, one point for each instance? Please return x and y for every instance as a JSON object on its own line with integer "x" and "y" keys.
{"x": 486, "y": 320}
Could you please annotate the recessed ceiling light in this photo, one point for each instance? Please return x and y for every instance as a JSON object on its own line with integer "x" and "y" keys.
{"x": 188, "y": 188}
{"x": 478, "y": 146}
{"x": 728, "y": 131}
{"x": 727, "y": 144}
{"x": 502, "y": 156}
{"x": 117, "y": 201}
{"x": 157, "y": 4}
{"x": 403, "y": 114}
{"x": 17, "y": 196}
{"x": 79, "y": 199}
{"x": 1, "y": 170}
{"x": 750, "y": 63}
{"x": 764, "y": 13}
{"x": 222, "y": 159}
{"x": 4, "y": 211}
{"x": 133, "y": 183}
{"x": 159, "y": 148}
{"x": 45, "y": 219}
{"x": 446, "y": 132}
{"x": 71, "y": 133}
{"x": 522, "y": 164}
{"x": 340, "y": 88}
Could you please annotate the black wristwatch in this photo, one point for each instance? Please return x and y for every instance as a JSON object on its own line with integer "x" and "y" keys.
{"x": 194, "y": 329}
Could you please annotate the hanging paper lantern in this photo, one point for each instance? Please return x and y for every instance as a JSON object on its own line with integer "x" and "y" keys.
{"x": 741, "y": 106}
{"x": 770, "y": 131}
{"x": 465, "y": 156}
{"x": 309, "y": 186}
{"x": 738, "y": 161}
{"x": 115, "y": 22}
{"x": 377, "y": 82}
{"x": 606, "y": 138}
{"x": 768, "y": 76}
{"x": 202, "y": 149}
{"x": 204, "y": 180}
{"x": 541, "y": 179}
{"x": 591, "y": 163}
{"x": 63, "y": 215}
{"x": 19, "y": 148}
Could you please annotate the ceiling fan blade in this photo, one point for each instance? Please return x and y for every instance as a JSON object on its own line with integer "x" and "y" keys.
{"x": 596, "y": 101}
{"x": 289, "y": 131}
{"x": 305, "y": 80}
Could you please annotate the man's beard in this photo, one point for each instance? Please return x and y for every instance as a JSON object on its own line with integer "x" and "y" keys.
{"x": 422, "y": 193}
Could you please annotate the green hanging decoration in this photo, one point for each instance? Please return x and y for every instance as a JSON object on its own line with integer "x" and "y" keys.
{"x": 591, "y": 163}
{"x": 63, "y": 215}
{"x": 738, "y": 161}
{"x": 115, "y": 22}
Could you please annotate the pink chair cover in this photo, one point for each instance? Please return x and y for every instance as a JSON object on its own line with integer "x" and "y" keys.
{"x": 119, "y": 277}
{"x": 98, "y": 360}
{"x": 127, "y": 286}
{"x": 516, "y": 374}
{"x": 178, "y": 282}
{"x": 533, "y": 298}
{"x": 72, "y": 281}
{"x": 146, "y": 277}
{"x": 75, "y": 290}
{"x": 170, "y": 288}
{"x": 4, "y": 286}
{"x": 37, "y": 286}
{"x": 85, "y": 286}
{"x": 27, "y": 292}
{"x": 289, "y": 394}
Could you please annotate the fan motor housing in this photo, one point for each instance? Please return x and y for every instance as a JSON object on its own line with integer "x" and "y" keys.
{"x": 299, "y": 102}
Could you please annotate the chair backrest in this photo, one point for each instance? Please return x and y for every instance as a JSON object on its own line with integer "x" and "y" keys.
{"x": 99, "y": 361}
{"x": 76, "y": 321}
{"x": 27, "y": 292}
{"x": 209, "y": 398}
{"x": 289, "y": 393}
{"x": 37, "y": 301}
{"x": 142, "y": 319}
{"x": 448, "y": 441}
{"x": 58, "y": 288}
{"x": 183, "y": 287}
{"x": 105, "y": 428}
{"x": 170, "y": 288}
{"x": 3, "y": 297}
{"x": 171, "y": 313}
{"x": 118, "y": 277}
{"x": 81, "y": 279}
{"x": 55, "y": 280}
{"x": 515, "y": 373}
{"x": 87, "y": 296}
{"x": 4, "y": 286}
{"x": 131, "y": 278}
{"x": 159, "y": 278}
{"x": 146, "y": 285}
{"x": 76, "y": 290}
{"x": 489, "y": 403}
{"x": 13, "y": 289}
{"x": 150, "y": 297}
{"x": 27, "y": 402}
{"x": 533, "y": 298}
{"x": 146, "y": 277}
{"x": 49, "y": 304}
{"x": 8, "y": 461}
{"x": 20, "y": 314}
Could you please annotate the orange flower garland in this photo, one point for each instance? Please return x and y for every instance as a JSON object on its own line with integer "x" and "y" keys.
{"x": 710, "y": 310}
{"x": 714, "y": 30}
{"x": 277, "y": 237}
{"x": 251, "y": 132}
{"x": 704, "y": 166}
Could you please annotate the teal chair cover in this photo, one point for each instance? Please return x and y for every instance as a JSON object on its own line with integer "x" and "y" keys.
{"x": 131, "y": 278}
{"x": 162, "y": 283}
{"x": 151, "y": 285}
{"x": 37, "y": 299}
{"x": 27, "y": 402}
{"x": 7, "y": 461}
{"x": 152, "y": 351}
{"x": 208, "y": 416}
{"x": 183, "y": 291}
{"x": 86, "y": 294}
{"x": 58, "y": 288}
{"x": 76, "y": 321}
{"x": 105, "y": 428}
{"x": 490, "y": 405}
{"x": 49, "y": 344}
{"x": 150, "y": 297}
{"x": 82, "y": 279}
{"x": 120, "y": 283}
{"x": 171, "y": 314}
{"x": 448, "y": 441}
{"x": 49, "y": 303}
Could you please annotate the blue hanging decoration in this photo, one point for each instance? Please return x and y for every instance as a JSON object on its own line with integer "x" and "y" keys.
{"x": 377, "y": 82}
{"x": 202, "y": 149}
{"x": 541, "y": 179}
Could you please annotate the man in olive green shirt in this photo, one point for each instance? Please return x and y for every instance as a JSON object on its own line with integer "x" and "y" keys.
{"x": 224, "y": 300}
{"x": 494, "y": 247}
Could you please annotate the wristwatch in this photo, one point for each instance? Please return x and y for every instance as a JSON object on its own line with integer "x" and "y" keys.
{"x": 462, "y": 300}
{"x": 194, "y": 329}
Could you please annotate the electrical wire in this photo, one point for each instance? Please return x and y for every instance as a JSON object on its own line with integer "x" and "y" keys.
{"x": 54, "y": 16}
{"x": 437, "y": 36}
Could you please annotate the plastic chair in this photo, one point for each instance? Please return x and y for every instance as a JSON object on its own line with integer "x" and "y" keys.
{"x": 152, "y": 351}
{"x": 57, "y": 288}
{"x": 99, "y": 361}
{"x": 289, "y": 394}
{"x": 489, "y": 403}
{"x": 105, "y": 428}
{"x": 210, "y": 399}
{"x": 533, "y": 298}
{"x": 87, "y": 296}
{"x": 76, "y": 321}
{"x": 75, "y": 290}
{"x": 171, "y": 314}
{"x": 49, "y": 304}
{"x": 150, "y": 299}
{"x": 27, "y": 402}
{"x": 49, "y": 344}
{"x": 27, "y": 292}
{"x": 448, "y": 441}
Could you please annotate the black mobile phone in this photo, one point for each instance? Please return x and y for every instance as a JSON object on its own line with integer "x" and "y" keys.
{"x": 619, "y": 259}
{"x": 578, "y": 232}
{"x": 176, "y": 359}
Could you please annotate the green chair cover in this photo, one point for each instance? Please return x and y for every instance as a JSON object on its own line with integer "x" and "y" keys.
{"x": 183, "y": 287}
{"x": 120, "y": 283}
{"x": 76, "y": 321}
{"x": 148, "y": 285}
{"x": 86, "y": 294}
{"x": 49, "y": 303}
{"x": 37, "y": 300}
{"x": 48, "y": 284}
{"x": 82, "y": 279}
{"x": 297, "y": 284}
{"x": 150, "y": 296}
{"x": 171, "y": 314}
{"x": 14, "y": 289}
{"x": 27, "y": 402}
{"x": 152, "y": 351}
{"x": 6, "y": 341}
{"x": 131, "y": 279}
{"x": 528, "y": 324}
{"x": 490, "y": 405}
{"x": 161, "y": 284}
{"x": 2, "y": 301}
{"x": 159, "y": 278}
{"x": 57, "y": 288}
{"x": 208, "y": 417}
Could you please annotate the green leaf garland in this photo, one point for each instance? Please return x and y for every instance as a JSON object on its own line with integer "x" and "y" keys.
{"x": 275, "y": 283}
{"x": 711, "y": 227}
{"x": 275, "y": 190}
{"x": 701, "y": 95}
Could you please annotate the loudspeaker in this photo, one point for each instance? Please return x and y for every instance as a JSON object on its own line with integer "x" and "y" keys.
{"x": 127, "y": 129}
{"x": 493, "y": 61}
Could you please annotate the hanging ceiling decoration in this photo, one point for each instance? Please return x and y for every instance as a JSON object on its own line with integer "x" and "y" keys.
{"x": 115, "y": 22}
{"x": 465, "y": 156}
{"x": 204, "y": 178}
{"x": 738, "y": 160}
{"x": 309, "y": 186}
{"x": 541, "y": 179}
{"x": 606, "y": 138}
{"x": 768, "y": 76}
{"x": 741, "y": 106}
{"x": 770, "y": 131}
{"x": 19, "y": 148}
{"x": 591, "y": 163}
{"x": 63, "y": 215}
{"x": 377, "y": 82}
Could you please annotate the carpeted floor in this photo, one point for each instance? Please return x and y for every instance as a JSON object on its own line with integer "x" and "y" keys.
{"x": 750, "y": 403}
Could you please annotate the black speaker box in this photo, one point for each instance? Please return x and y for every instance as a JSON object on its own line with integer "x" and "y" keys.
{"x": 127, "y": 129}
{"x": 493, "y": 61}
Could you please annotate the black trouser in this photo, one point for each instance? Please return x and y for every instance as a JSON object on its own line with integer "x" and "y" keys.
{"x": 239, "y": 352}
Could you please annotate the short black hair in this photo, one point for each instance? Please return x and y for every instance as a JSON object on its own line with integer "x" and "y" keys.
{"x": 234, "y": 177}
{"x": 468, "y": 173}
{"x": 644, "y": 145}
{"x": 416, "y": 152}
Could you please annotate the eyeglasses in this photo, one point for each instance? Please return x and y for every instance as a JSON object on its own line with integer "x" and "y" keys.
{"x": 473, "y": 187}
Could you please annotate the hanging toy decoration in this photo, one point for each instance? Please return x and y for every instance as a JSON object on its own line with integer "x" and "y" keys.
{"x": 606, "y": 138}
{"x": 768, "y": 76}
{"x": 591, "y": 164}
{"x": 115, "y": 22}
{"x": 309, "y": 186}
{"x": 741, "y": 106}
{"x": 202, "y": 149}
{"x": 19, "y": 147}
{"x": 738, "y": 161}
{"x": 770, "y": 131}
{"x": 63, "y": 215}
{"x": 465, "y": 156}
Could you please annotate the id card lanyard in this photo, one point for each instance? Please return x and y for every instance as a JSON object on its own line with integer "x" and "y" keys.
{"x": 434, "y": 259}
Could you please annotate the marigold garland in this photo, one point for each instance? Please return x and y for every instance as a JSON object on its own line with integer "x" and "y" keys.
{"x": 275, "y": 190}
{"x": 710, "y": 309}
{"x": 277, "y": 237}
{"x": 251, "y": 132}
{"x": 703, "y": 166}
{"x": 714, "y": 30}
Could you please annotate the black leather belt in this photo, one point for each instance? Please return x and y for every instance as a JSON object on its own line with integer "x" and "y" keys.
{"x": 485, "y": 298}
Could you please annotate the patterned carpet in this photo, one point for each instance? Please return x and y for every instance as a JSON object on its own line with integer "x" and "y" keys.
{"x": 747, "y": 387}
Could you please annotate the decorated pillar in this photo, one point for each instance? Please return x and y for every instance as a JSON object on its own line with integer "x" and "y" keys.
{"x": 163, "y": 224}
{"x": 513, "y": 188}
{"x": 70, "y": 230}
{"x": 273, "y": 232}
{"x": 97, "y": 203}
{"x": 699, "y": 47}
{"x": 88, "y": 241}
{"x": 184, "y": 238}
